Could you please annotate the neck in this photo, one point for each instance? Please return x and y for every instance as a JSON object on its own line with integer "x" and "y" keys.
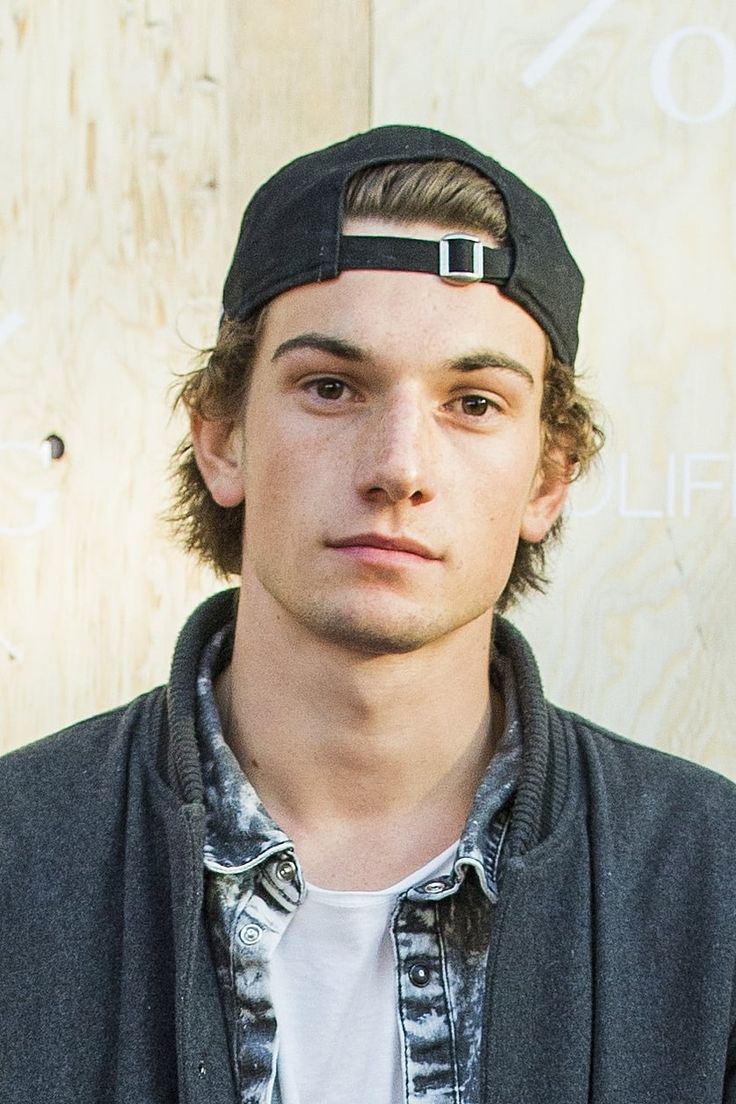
{"x": 348, "y": 750}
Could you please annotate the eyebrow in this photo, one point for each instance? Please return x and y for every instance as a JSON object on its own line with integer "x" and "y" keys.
{"x": 491, "y": 358}
{"x": 346, "y": 350}
{"x": 335, "y": 346}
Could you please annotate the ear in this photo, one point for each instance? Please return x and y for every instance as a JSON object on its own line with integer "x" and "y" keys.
{"x": 217, "y": 449}
{"x": 548, "y": 497}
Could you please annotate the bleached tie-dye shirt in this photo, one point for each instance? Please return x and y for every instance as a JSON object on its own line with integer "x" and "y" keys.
{"x": 254, "y": 884}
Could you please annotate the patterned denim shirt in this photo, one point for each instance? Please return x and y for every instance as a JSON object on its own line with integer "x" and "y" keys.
{"x": 440, "y": 929}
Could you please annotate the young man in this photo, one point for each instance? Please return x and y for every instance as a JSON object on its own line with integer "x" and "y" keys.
{"x": 350, "y": 853}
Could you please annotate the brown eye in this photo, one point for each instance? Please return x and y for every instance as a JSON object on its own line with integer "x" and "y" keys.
{"x": 329, "y": 388}
{"x": 476, "y": 405}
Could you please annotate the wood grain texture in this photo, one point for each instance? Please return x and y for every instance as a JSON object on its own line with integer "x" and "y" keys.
{"x": 132, "y": 136}
{"x": 638, "y": 630}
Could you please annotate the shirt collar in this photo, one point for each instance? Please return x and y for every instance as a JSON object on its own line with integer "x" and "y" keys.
{"x": 239, "y": 833}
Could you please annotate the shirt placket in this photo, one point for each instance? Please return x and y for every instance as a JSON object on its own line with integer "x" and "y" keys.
{"x": 429, "y": 1053}
{"x": 260, "y": 911}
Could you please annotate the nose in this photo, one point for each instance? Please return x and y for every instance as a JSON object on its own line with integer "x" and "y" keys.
{"x": 397, "y": 453}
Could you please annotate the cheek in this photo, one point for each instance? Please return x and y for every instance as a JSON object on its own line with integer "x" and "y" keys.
{"x": 501, "y": 483}
{"x": 289, "y": 477}
{"x": 489, "y": 511}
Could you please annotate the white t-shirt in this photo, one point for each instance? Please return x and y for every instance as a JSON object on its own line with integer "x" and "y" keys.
{"x": 333, "y": 981}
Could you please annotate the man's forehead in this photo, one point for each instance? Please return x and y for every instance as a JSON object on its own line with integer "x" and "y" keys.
{"x": 405, "y": 319}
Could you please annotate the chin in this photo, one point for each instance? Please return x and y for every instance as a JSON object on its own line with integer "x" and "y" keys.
{"x": 377, "y": 636}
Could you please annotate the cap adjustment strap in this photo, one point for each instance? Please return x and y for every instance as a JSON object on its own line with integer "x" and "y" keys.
{"x": 456, "y": 258}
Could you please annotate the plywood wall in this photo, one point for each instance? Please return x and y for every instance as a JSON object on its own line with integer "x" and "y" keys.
{"x": 133, "y": 132}
{"x": 624, "y": 115}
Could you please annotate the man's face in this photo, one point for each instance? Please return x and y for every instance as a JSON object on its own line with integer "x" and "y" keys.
{"x": 391, "y": 409}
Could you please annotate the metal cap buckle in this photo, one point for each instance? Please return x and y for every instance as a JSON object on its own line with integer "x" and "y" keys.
{"x": 461, "y": 258}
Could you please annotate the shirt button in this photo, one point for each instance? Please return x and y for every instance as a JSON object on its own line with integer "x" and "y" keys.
{"x": 434, "y": 887}
{"x": 419, "y": 974}
{"x": 286, "y": 870}
{"x": 250, "y": 934}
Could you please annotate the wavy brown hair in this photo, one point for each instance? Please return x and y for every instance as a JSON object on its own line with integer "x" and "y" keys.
{"x": 452, "y": 196}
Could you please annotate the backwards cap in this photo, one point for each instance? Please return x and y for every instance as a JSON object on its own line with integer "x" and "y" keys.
{"x": 291, "y": 234}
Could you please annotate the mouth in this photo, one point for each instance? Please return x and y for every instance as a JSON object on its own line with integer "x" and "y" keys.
{"x": 400, "y": 546}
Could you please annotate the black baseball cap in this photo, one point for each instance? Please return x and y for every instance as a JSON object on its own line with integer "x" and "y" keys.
{"x": 291, "y": 234}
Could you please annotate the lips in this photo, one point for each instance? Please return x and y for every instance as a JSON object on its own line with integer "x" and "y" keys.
{"x": 391, "y": 544}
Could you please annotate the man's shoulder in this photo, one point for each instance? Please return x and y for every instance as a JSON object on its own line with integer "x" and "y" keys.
{"x": 88, "y": 738}
{"x": 76, "y": 768}
{"x": 627, "y": 774}
{"x": 627, "y": 777}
